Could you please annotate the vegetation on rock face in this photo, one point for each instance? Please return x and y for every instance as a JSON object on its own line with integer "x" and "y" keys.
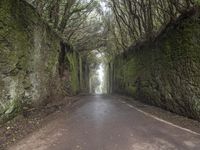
{"x": 73, "y": 60}
{"x": 165, "y": 72}
{"x": 29, "y": 58}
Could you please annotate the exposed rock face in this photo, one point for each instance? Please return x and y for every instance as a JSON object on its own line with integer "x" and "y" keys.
{"x": 29, "y": 59}
{"x": 165, "y": 72}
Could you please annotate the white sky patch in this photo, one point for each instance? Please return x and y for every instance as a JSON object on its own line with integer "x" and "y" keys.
{"x": 101, "y": 77}
{"x": 101, "y": 73}
{"x": 103, "y": 6}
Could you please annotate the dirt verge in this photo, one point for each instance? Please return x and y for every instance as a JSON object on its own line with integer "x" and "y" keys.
{"x": 30, "y": 121}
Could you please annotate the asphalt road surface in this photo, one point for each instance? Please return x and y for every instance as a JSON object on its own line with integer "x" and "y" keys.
{"x": 106, "y": 123}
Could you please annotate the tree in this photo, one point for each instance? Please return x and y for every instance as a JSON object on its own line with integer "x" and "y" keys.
{"x": 142, "y": 19}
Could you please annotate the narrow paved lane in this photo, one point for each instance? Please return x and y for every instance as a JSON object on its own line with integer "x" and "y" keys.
{"x": 105, "y": 123}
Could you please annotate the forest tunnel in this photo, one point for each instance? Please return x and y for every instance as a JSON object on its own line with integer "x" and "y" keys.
{"x": 149, "y": 50}
{"x": 98, "y": 81}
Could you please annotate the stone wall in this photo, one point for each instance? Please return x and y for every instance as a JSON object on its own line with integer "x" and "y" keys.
{"x": 74, "y": 62}
{"x": 165, "y": 71}
{"x": 31, "y": 56}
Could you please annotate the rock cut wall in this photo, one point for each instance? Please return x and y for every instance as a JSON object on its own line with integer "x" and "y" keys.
{"x": 166, "y": 71}
{"x": 30, "y": 60}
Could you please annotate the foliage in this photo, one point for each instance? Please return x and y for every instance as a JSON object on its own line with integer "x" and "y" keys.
{"x": 77, "y": 21}
{"x": 143, "y": 19}
{"x": 109, "y": 26}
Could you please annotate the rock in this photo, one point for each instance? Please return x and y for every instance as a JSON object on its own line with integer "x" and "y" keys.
{"x": 29, "y": 58}
{"x": 164, "y": 72}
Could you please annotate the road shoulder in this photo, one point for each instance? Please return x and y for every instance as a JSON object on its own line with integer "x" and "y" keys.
{"x": 162, "y": 115}
{"x": 31, "y": 121}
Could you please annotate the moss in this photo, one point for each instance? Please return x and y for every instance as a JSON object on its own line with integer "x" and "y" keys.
{"x": 53, "y": 57}
{"x": 165, "y": 72}
{"x": 29, "y": 58}
{"x": 197, "y": 2}
{"x": 126, "y": 74}
{"x": 10, "y": 111}
{"x": 132, "y": 90}
{"x": 74, "y": 68}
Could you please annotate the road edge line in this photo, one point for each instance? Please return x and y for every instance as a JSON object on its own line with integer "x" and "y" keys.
{"x": 158, "y": 119}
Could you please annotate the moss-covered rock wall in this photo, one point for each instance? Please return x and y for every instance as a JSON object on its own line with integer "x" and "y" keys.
{"x": 74, "y": 62}
{"x": 30, "y": 55}
{"x": 165, "y": 71}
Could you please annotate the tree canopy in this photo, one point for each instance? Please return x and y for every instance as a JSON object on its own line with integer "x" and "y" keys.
{"x": 109, "y": 26}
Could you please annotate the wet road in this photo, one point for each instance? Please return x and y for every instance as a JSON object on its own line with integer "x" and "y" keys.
{"x": 105, "y": 123}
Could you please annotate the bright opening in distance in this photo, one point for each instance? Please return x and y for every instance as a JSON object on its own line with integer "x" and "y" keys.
{"x": 101, "y": 75}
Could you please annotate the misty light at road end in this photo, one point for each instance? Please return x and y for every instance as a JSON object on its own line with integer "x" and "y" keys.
{"x": 101, "y": 77}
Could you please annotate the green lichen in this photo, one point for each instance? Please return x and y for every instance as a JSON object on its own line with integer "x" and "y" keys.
{"x": 74, "y": 71}
{"x": 166, "y": 72}
{"x": 10, "y": 110}
{"x": 29, "y": 58}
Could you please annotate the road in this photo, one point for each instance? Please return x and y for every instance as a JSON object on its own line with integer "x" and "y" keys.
{"x": 106, "y": 123}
